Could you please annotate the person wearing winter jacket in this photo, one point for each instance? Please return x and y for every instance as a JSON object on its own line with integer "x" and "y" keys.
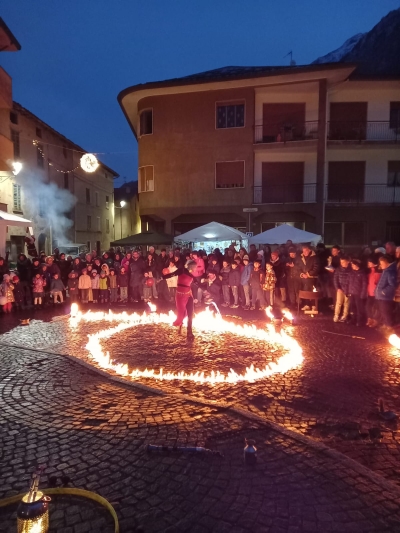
{"x": 38, "y": 284}
{"x": 103, "y": 287}
{"x": 172, "y": 282}
{"x": 245, "y": 281}
{"x": 56, "y": 289}
{"x": 123, "y": 282}
{"x": 4, "y": 267}
{"x": 224, "y": 277}
{"x": 373, "y": 278}
{"x": 213, "y": 265}
{"x": 358, "y": 283}
{"x": 19, "y": 293}
{"x": 308, "y": 268}
{"x": 234, "y": 283}
{"x": 198, "y": 274}
{"x": 136, "y": 268}
{"x": 73, "y": 286}
{"x": 341, "y": 281}
{"x": 7, "y": 291}
{"x": 65, "y": 267}
{"x": 386, "y": 288}
{"x": 292, "y": 276}
{"x": 113, "y": 284}
{"x": 256, "y": 283}
{"x": 211, "y": 287}
{"x": 84, "y": 284}
{"x": 279, "y": 267}
{"x": 47, "y": 278}
{"x": 269, "y": 285}
{"x": 94, "y": 290}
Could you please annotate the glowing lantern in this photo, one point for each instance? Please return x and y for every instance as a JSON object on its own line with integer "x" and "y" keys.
{"x": 89, "y": 163}
{"x": 33, "y": 513}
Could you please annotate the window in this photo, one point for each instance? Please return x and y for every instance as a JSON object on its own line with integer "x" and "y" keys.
{"x": 344, "y": 233}
{"x": 107, "y": 226}
{"x": 98, "y": 224}
{"x": 96, "y": 196}
{"x": 283, "y": 122}
{"x": 88, "y": 196}
{"x": 146, "y": 122}
{"x": 282, "y": 182}
{"x": 393, "y": 176}
{"x": 348, "y": 121}
{"x": 38, "y": 132}
{"x": 346, "y": 181}
{"x": 146, "y": 179}
{"x": 15, "y": 141}
{"x": 40, "y": 156}
{"x": 17, "y": 197}
{"x": 107, "y": 202}
{"x": 395, "y": 115}
{"x": 66, "y": 180}
{"x": 13, "y": 117}
{"x": 230, "y": 116}
{"x": 89, "y": 222}
{"x": 229, "y": 174}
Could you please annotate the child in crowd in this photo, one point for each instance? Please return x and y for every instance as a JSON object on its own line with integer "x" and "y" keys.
{"x": 38, "y": 289}
{"x": 373, "y": 279}
{"x": 103, "y": 286}
{"x": 19, "y": 293}
{"x": 73, "y": 287}
{"x": 213, "y": 265}
{"x": 105, "y": 268}
{"x": 256, "y": 283}
{"x": 172, "y": 282}
{"x": 234, "y": 283}
{"x": 56, "y": 289}
{"x": 341, "y": 279}
{"x": 47, "y": 278}
{"x": 245, "y": 281}
{"x": 148, "y": 282}
{"x": 358, "y": 282}
{"x": 224, "y": 277}
{"x": 95, "y": 286}
{"x": 84, "y": 285}
{"x": 113, "y": 284}
{"x": 122, "y": 279}
{"x": 269, "y": 285}
{"x": 7, "y": 290}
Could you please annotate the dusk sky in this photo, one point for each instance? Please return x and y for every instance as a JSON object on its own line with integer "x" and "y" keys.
{"x": 77, "y": 55}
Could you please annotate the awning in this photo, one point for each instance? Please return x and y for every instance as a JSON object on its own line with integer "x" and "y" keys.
{"x": 9, "y": 219}
{"x": 283, "y": 233}
{"x": 214, "y": 231}
{"x": 146, "y": 238}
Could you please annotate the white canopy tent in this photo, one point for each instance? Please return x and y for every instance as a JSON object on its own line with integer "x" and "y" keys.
{"x": 213, "y": 235}
{"x": 283, "y": 233}
{"x": 9, "y": 219}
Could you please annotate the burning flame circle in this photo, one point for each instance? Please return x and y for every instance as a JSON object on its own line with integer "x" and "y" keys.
{"x": 205, "y": 321}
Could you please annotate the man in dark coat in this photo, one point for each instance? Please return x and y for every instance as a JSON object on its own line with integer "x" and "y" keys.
{"x": 292, "y": 276}
{"x": 136, "y": 269}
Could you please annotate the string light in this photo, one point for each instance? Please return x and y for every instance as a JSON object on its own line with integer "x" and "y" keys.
{"x": 41, "y": 152}
{"x": 89, "y": 163}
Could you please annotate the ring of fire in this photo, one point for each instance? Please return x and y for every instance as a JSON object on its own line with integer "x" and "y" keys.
{"x": 204, "y": 321}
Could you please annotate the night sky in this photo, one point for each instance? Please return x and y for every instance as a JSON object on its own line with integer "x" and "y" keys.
{"x": 77, "y": 55}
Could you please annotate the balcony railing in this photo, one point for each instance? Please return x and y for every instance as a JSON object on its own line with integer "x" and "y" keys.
{"x": 386, "y": 131}
{"x": 374, "y": 131}
{"x": 336, "y": 194}
{"x": 285, "y": 194}
{"x": 289, "y": 132}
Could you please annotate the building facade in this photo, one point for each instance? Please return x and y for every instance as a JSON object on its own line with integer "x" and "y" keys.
{"x": 127, "y": 219}
{"x": 65, "y": 203}
{"x": 316, "y": 146}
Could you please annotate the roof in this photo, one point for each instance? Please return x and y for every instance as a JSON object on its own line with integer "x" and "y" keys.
{"x": 131, "y": 95}
{"x": 146, "y": 238}
{"x": 21, "y": 109}
{"x": 126, "y": 191}
{"x": 8, "y": 41}
{"x": 213, "y": 231}
{"x": 284, "y": 232}
{"x": 9, "y": 219}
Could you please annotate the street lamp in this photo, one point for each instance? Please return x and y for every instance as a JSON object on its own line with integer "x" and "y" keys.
{"x": 122, "y": 203}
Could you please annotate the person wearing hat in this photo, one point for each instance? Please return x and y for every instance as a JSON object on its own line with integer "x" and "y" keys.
{"x": 245, "y": 281}
{"x": 184, "y": 296}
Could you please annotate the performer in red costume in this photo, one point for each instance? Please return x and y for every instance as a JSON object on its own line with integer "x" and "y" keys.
{"x": 184, "y": 295}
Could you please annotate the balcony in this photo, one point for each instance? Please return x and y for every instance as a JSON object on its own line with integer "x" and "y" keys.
{"x": 361, "y": 131}
{"x": 369, "y": 194}
{"x": 282, "y": 133}
{"x": 285, "y": 194}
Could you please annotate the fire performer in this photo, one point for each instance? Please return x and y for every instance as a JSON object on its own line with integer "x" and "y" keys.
{"x": 184, "y": 296}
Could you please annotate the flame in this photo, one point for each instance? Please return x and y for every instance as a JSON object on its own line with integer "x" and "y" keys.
{"x": 74, "y": 310}
{"x": 287, "y": 314}
{"x": 268, "y": 312}
{"x": 314, "y": 289}
{"x": 153, "y": 308}
{"x": 204, "y": 321}
{"x": 395, "y": 341}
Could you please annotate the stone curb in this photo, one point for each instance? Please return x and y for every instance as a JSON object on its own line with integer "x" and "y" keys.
{"x": 320, "y": 447}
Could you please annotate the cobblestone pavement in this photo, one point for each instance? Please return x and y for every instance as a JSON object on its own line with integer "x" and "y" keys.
{"x": 84, "y": 426}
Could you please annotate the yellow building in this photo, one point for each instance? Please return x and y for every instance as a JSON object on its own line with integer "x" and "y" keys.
{"x": 315, "y": 146}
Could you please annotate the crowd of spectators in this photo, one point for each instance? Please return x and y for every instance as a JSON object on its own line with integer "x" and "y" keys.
{"x": 363, "y": 288}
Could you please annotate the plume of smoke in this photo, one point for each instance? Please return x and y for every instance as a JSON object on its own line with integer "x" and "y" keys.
{"x": 46, "y": 205}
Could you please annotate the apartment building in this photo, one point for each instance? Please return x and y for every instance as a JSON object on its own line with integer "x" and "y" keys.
{"x": 65, "y": 203}
{"x": 315, "y": 146}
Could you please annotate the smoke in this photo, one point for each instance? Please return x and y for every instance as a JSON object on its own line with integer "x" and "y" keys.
{"x": 46, "y": 205}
